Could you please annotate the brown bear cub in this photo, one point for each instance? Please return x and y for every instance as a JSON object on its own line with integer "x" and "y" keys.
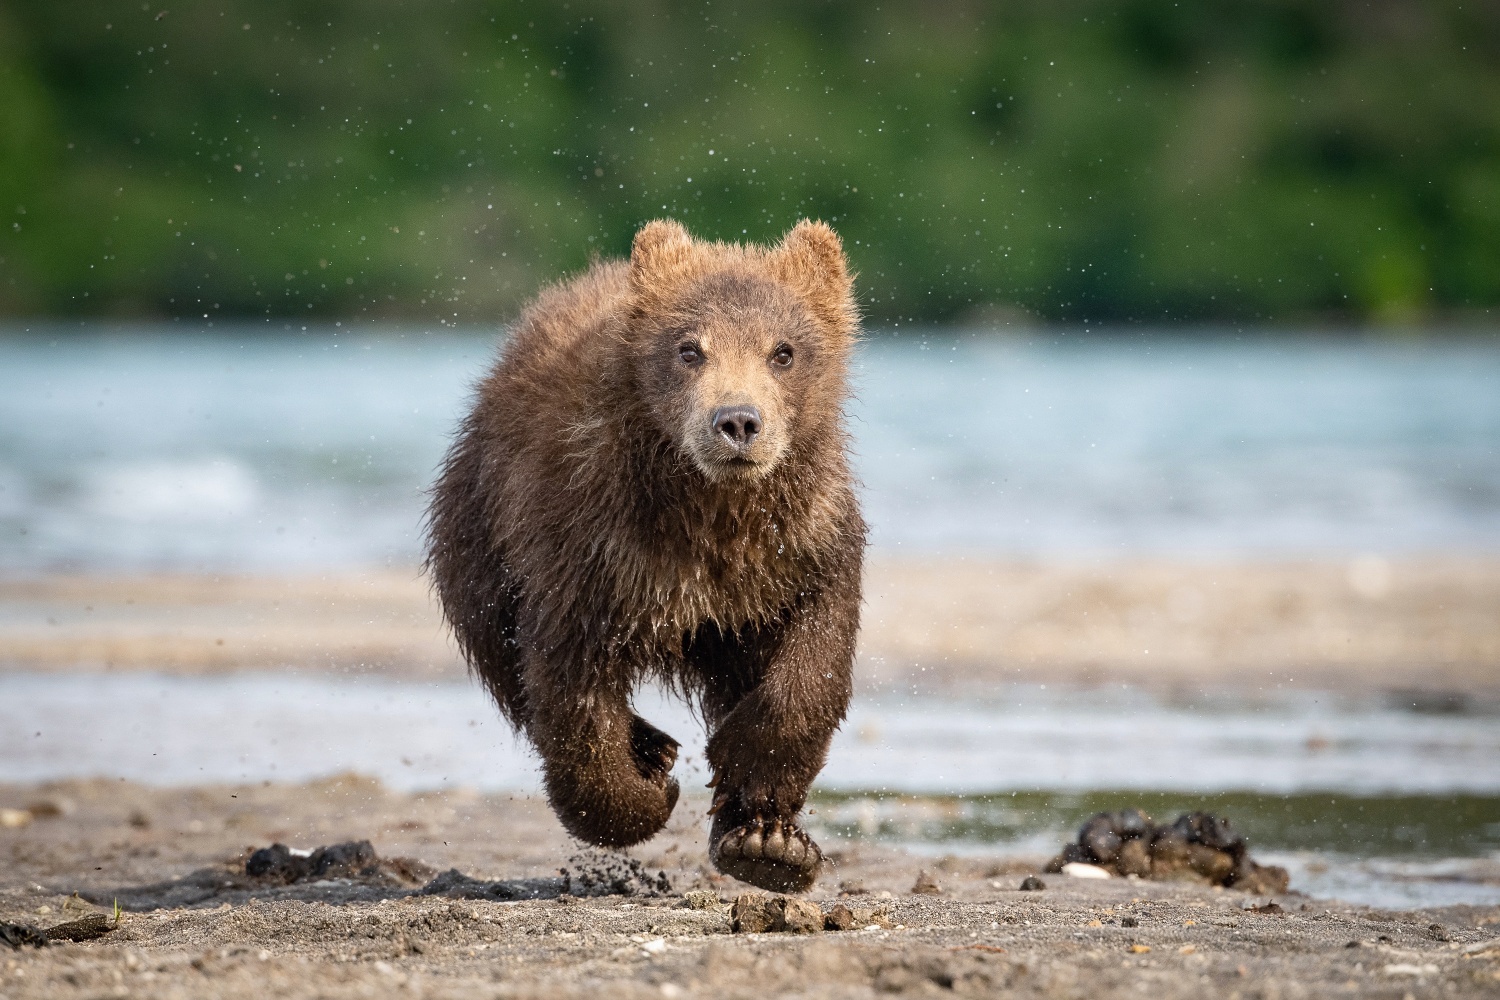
{"x": 654, "y": 484}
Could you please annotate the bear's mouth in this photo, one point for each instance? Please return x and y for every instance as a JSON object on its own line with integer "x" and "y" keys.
{"x": 738, "y": 467}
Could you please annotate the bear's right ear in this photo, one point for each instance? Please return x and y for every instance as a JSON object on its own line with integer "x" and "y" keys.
{"x": 662, "y": 245}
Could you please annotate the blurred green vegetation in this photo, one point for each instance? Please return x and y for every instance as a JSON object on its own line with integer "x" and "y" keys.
{"x": 1137, "y": 161}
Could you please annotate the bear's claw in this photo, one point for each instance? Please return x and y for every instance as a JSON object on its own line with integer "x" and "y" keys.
{"x": 777, "y": 855}
{"x": 655, "y": 752}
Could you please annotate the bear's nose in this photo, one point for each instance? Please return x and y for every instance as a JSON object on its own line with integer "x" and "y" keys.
{"x": 739, "y": 424}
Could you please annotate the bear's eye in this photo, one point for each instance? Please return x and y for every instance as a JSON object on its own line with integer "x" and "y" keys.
{"x": 783, "y": 356}
{"x": 689, "y": 352}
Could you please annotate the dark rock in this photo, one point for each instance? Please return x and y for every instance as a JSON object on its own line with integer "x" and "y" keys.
{"x": 1198, "y": 847}
{"x": 751, "y": 913}
{"x": 839, "y": 918}
{"x": 1104, "y": 835}
{"x": 19, "y": 935}
{"x": 796, "y": 916}
{"x": 1134, "y": 859}
{"x": 1099, "y": 839}
{"x": 1133, "y": 824}
{"x": 277, "y": 864}
{"x": 354, "y": 859}
{"x": 1210, "y": 831}
{"x": 1032, "y": 884}
{"x": 1129, "y": 922}
{"x": 346, "y": 860}
{"x": 1169, "y": 853}
{"x": 1215, "y": 865}
{"x": 1261, "y": 880}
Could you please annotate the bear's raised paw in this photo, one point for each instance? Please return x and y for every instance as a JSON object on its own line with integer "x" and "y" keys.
{"x": 775, "y": 855}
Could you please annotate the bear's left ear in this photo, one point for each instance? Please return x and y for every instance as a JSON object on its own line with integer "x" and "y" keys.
{"x": 811, "y": 259}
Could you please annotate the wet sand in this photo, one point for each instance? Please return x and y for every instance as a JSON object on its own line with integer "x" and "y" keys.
{"x": 978, "y": 936}
{"x": 1425, "y": 624}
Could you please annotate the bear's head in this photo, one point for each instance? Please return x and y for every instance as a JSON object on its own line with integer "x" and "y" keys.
{"x": 741, "y": 351}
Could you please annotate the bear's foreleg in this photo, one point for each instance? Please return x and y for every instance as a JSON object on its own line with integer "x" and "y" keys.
{"x": 768, "y": 747}
{"x": 607, "y": 771}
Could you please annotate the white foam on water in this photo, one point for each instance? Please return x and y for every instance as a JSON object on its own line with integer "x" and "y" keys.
{"x": 207, "y": 489}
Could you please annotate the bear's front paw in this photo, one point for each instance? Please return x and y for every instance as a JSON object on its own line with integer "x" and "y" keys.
{"x": 772, "y": 854}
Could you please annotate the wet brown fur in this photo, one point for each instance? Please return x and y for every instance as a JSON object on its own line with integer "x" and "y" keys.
{"x": 584, "y": 535}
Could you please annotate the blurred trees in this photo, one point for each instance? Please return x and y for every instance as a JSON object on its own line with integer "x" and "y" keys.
{"x": 1144, "y": 161}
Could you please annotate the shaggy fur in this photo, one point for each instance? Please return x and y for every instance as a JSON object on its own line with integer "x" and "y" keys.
{"x": 593, "y": 528}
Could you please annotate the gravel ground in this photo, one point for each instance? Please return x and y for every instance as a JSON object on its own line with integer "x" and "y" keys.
{"x": 214, "y": 932}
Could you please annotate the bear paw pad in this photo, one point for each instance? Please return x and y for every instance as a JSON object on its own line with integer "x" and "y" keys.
{"x": 773, "y": 855}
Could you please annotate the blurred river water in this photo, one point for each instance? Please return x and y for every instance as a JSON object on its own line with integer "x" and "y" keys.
{"x": 261, "y": 449}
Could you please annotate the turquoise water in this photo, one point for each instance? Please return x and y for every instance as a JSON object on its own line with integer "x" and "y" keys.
{"x": 271, "y": 449}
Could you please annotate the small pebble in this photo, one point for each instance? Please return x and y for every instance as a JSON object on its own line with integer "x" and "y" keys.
{"x": 1077, "y": 869}
{"x": 14, "y": 818}
{"x": 1032, "y": 884}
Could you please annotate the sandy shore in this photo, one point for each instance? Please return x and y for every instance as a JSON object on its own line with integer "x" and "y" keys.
{"x": 1426, "y": 624}
{"x": 338, "y": 937}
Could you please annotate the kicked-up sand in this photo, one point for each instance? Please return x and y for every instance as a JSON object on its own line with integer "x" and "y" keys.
{"x": 1424, "y": 624}
{"x": 193, "y": 924}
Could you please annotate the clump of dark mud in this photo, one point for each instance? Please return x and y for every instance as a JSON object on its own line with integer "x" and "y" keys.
{"x": 346, "y": 872}
{"x": 1198, "y": 847}
{"x": 280, "y": 865}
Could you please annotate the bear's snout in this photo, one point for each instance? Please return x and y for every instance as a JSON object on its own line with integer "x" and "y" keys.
{"x": 739, "y": 425}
